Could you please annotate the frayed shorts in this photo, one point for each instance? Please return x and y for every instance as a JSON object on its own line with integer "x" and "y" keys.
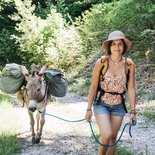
{"x": 103, "y": 108}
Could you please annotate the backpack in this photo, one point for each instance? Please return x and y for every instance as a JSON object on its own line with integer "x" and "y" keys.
{"x": 11, "y": 79}
{"x": 104, "y": 66}
{"x": 56, "y": 82}
{"x": 103, "y": 70}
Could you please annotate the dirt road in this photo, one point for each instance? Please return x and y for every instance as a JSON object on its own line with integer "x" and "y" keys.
{"x": 63, "y": 138}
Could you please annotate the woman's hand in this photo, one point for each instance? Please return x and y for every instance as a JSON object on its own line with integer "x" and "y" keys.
{"x": 88, "y": 115}
{"x": 132, "y": 116}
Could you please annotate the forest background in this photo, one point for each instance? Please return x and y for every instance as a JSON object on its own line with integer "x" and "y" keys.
{"x": 68, "y": 34}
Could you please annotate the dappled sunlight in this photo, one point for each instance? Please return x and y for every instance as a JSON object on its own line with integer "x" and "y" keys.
{"x": 9, "y": 119}
{"x": 147, "y": 105}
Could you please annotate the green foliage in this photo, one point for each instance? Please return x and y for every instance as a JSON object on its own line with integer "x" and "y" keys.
{"x": 8, "y": 144}
{"x": 93, "y": 27}
{"x": 6, "y": 9}
{"x": 49, "y": 39}
{"x": 104, "y": 18}
{"x": 5, "y": 97}
{"x": 8, "y": 127}
{"x": 123, "y": 151}
{"x": 28, "y": 26}
{"x": 80, "y": 86}
{"x": 148, "y": 110}
{"x": 9, "y": 51}
{"x": 8, "y": 47}
{"x": 71, "y": 9}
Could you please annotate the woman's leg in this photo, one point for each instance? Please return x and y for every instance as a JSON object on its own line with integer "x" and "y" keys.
{"x": 104, "y": 124}
{"x": 116, "y": 122}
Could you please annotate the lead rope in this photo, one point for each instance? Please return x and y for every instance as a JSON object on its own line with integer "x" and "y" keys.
{"x": 91, "y": 127}
{"x": 111, "y": 145}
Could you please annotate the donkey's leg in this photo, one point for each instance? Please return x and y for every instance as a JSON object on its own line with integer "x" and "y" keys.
{"x": 32, "y": 125}
{"x": 38, "y": 120}
{"x": 42, "y": 122}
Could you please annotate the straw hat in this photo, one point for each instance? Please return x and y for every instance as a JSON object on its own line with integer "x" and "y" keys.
{"x": 115, "y": 35}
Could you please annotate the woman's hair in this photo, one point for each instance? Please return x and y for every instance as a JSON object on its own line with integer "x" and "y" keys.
{"x": 124, "y": 46}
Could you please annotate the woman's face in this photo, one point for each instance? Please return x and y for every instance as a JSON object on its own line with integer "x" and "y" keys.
{"x": 117, "y": 47}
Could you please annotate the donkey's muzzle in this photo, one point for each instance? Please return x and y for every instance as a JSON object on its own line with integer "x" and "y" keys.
{"x": 32, "y": 109}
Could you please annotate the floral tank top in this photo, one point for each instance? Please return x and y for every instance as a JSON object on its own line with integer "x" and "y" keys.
{"x": 113, "y": 83}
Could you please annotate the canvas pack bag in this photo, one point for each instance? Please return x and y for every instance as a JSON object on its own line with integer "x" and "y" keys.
{"x": 11, "y": 79}
{"x": 56, "y": 82}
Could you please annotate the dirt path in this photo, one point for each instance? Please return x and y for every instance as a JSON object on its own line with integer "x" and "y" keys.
{"x": 62, "y": 138}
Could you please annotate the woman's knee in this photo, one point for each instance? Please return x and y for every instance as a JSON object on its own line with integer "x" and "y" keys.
{"x": 113, "y": 137}
{"x": 106, "y": 136}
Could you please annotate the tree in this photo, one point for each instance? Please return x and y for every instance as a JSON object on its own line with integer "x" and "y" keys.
{"x": 47, "y": 39}
{"x": 138, "y": 24}
{"x": 9, "y": 52}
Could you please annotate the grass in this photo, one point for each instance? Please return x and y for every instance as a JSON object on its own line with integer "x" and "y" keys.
{"x": 8, "y": 127}
{"x": 123, "y": 151}
{"x": 147, "y": 109}
{"x": 5, "y": 98}
{"x": 8, "y": 144}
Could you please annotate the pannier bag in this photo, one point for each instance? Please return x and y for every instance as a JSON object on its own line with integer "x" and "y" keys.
{"x": 11, "y": 79}
{"x": 57, "y": 83}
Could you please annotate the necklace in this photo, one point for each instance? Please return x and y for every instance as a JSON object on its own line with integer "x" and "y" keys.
{"x": 115, "y": 61}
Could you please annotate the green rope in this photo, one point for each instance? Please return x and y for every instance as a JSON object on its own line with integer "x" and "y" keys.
{"x": 108, "y": 145}
{"x": 96, "y": 139}
{"x": 80, "y": 120}
{"x": 111, "y": 145}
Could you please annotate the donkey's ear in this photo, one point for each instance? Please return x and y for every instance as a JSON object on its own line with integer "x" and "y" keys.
{"x": 42, "y": 70}
{"x": 39, "y": 66}
{"x": 24, "y": 71}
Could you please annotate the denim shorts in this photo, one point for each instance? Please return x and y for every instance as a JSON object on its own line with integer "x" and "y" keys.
{"x": 103, "y": 108}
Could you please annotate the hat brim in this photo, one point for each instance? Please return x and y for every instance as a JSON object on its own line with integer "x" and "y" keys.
{"x": 105, "y": 44}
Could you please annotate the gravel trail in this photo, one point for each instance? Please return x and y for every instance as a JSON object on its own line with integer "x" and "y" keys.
{"x": 63, "y": 138}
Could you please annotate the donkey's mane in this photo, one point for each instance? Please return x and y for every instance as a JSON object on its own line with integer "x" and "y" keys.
{"x": 35, "y": 69}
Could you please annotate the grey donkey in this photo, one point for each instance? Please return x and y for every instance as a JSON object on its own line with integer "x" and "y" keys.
{"x": 35, "y": 96}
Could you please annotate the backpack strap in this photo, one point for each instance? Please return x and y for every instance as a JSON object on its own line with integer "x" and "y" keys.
{"x": 128, "y": 64}
{"x": 104, "y": 67}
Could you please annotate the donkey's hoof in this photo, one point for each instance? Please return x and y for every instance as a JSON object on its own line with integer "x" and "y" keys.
{"x": 37, "y": 140}
{"x": 33, "y": 140}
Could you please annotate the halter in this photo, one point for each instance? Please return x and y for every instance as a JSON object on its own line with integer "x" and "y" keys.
{"x": 42, "y": 97}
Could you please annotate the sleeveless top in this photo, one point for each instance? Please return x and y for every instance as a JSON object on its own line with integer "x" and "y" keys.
{"x": 113, "y": 83}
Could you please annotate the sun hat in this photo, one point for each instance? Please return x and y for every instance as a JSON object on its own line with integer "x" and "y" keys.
{"x": 115, "y": 35}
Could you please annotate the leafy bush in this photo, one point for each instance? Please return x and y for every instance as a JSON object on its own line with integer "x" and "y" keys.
{"x": 123, "y": 151}
{"x": 47, "y": 39}
{"x": 104, "y": 18}
{"x": 8, "y": 144}
{"x": 5, "y": 97}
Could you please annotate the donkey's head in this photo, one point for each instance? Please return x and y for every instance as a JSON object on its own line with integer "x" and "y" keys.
{"x": 35, "y": 88}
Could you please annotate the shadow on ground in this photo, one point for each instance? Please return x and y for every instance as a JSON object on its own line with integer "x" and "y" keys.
{"x": 57, "y": 144}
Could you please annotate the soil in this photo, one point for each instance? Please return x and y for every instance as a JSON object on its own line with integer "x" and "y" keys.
{"x": 65, "y": 138}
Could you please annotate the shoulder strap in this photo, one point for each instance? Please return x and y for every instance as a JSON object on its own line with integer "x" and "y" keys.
{"x": 128, "y": 63}
{"x": 104, "y": 65}
{"x": 103, "y": 69}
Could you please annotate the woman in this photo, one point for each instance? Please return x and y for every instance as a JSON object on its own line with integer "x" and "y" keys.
{"x": 109, "y": 107}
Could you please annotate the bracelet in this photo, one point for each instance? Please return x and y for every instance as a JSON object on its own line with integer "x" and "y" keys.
{"x": 89, "y": 109}
{"x": 133, "y": 112}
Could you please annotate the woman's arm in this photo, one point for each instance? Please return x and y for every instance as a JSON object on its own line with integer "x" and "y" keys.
{"x": 132, "y": 92}
{"x": 93, "y": 89}
{"x": 94, "y": 84}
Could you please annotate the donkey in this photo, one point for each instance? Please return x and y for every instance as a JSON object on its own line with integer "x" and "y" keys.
{"x": 36, "y": 97}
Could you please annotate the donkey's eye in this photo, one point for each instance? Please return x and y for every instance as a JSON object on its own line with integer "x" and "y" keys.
{"x": 38, "y": 90}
